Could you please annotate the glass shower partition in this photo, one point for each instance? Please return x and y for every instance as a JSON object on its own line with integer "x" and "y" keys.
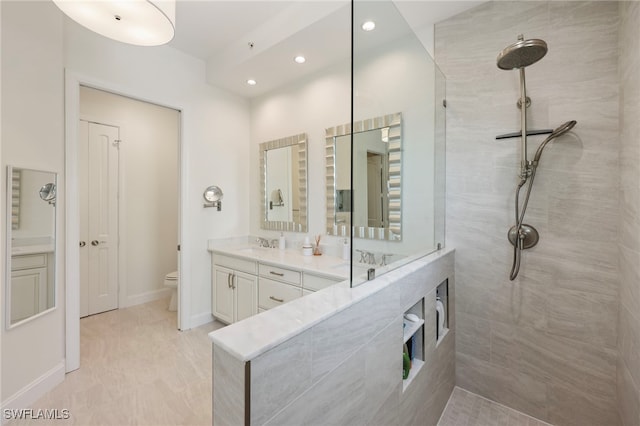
{"x": 397, "y": 144}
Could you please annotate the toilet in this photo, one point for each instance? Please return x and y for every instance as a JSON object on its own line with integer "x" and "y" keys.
{"x": 171, "y": 280}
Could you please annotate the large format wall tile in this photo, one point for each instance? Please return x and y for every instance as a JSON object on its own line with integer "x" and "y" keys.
{"x": 628, "y": 377}
{"x": 550, "y": 335}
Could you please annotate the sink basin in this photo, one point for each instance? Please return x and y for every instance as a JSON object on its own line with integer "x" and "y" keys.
{"x": 253, "y": 250}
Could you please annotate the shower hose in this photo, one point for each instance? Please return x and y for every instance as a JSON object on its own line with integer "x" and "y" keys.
{"x": 518, "y": 246}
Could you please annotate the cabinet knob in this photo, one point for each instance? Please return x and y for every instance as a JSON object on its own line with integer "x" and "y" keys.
{"x": 83, "y": 243}
{"x": 95, "y": 243}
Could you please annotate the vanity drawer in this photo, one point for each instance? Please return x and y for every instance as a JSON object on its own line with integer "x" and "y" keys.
{"x": 277, "y": 273}
{"x": 235, "y": 263}
{"x": 28, "y": 261}
{"x": 316, "y": 282}
{"x": 273, "y": 293}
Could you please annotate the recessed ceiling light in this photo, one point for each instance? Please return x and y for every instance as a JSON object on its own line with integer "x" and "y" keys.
{"x": 369, "y": 26}
{"x": 251, "y": 82}
{"x": 300, "y": 59}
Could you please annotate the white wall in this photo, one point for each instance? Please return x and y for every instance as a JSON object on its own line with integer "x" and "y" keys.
{"x": 149, "y": 187}
{"x": 37, "y": 44}
{"x": 215, "y": 128}
{"x": 397, "y": 78}
{"x": 307, "y": 107}
{"x": 32, "y": 137}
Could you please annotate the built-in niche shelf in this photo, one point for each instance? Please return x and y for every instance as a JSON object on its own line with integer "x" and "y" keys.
{"x": 442, "y": 311}
{"x": 413, "y": 342}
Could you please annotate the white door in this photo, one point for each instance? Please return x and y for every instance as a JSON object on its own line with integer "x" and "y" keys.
{"x": 98, "y": 186}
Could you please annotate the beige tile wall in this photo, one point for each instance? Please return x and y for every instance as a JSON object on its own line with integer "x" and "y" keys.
{"x": 629, "y": 247}
{"x": 546, "y": 343}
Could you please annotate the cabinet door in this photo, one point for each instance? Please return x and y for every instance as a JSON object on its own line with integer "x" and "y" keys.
{"x": 27, "y": 287}
{"x": 246, "y": 289}
{"x": 222, "y": 294}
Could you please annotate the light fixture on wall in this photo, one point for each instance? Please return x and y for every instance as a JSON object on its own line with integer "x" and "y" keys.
{"x": 138, "y": 22}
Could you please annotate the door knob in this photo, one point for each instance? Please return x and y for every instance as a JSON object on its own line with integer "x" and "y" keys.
{"x": 95, "y": 243}
{"x": 82, "y": 243}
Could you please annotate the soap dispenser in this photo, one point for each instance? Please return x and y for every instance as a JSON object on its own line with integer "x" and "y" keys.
{"x": 307, "y": 248}
{"x": 282, "y": 242}
{"x": 346, "y": 250}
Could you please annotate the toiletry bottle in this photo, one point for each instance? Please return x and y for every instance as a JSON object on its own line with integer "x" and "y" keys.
{"x": 282, "y": 242}
{"x": 307, "y": 248}
{"x": 346, "y": 250}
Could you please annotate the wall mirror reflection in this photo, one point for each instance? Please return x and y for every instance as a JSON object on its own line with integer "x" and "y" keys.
{"x": 377, "y": 164}
{"x": 283, "y": 186}
{"x": 31, "y": 234}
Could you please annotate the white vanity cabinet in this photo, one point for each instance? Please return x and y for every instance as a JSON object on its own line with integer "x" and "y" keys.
{"x": 235, "y": 289}
{"x": 30, "y": 290}
{"x": 244, "y": 284}
{"x": 277, "y": 285}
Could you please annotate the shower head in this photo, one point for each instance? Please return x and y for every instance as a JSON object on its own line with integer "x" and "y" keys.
{"x": 559, "y": 131}
{"x": 522, "y": 53}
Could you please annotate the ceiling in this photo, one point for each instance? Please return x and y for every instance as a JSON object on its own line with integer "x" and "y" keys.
{"x": 242, "y": 40}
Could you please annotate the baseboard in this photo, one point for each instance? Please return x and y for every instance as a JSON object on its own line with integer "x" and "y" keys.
{"x": 29, "y": 394}
{"x": 149, "y": 296}
{"x": 201, "y": 319}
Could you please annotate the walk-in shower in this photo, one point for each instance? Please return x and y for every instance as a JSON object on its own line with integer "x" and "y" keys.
{"x": 519, "y": 55}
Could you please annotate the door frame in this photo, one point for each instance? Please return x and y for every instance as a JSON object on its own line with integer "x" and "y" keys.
{"x": 73, "y": 81}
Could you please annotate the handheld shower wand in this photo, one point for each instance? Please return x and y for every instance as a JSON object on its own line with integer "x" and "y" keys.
{"x": 523, "y": 236}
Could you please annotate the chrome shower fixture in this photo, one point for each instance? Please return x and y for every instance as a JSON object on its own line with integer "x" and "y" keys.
{"x": 519, "y": 55}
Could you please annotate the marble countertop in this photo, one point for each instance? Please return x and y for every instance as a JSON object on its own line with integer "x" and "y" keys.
{"x": 24, "y": 246}
{"x": 326, "y": 265}
{"x": 247, "y": 339}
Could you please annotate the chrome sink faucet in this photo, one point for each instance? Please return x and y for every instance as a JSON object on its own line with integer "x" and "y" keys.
{"x": 263, "y": 242}
{"x": 367, "y": 257}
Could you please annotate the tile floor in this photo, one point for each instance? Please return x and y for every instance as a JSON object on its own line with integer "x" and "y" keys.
{"x": 138, "y": 369}
{"x": 468, "y": 409}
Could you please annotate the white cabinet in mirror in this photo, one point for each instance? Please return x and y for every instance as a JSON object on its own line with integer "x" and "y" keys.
{"x": 283, "y": 186}
{"x": 30, "y": 285}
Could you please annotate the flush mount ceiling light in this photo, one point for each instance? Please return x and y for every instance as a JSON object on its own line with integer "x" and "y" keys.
{"x": 138, "y": 22}
{"x": 369, "y": 26}
{"x": 300, "y": 59}
{"x": 251, "y": 82}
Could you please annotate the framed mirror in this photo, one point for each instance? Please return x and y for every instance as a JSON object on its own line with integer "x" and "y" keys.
{"x": 377, "y": 175}
{"x": 283, "y": 186}
{"x": 30, "y": 285}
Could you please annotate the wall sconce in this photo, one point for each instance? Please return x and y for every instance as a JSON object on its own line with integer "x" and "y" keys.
{"x": 138, "y": 22}
{"x": 213, "y": 197}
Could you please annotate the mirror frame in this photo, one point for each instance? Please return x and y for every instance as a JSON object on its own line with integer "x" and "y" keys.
{"x": 8, "y": 250}
{"x": 277, "y": 225}
{"x": 394, "y": 231}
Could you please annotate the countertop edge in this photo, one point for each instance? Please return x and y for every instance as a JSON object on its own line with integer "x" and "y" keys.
{"x": 243, "y": 339}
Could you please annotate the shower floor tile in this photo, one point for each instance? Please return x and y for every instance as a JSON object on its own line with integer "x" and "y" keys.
{"x": 468, "y": 409}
